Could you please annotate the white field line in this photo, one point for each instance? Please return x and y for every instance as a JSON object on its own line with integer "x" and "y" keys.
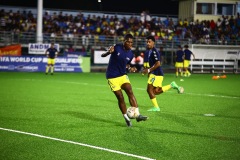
{"x": 142, "y": 89}
{"x": 77, "y": 143}
{"x": 197, "y": 94}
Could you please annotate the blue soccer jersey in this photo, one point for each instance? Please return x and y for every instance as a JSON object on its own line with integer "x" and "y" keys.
{"x": 118, "y": 61}
{"x": 145, "y": 58}
{"x": 153, "y": 57}
{"x": 188, "y": 54}
{"x": 52, "y": 52}
{"x": 179, "y": 57}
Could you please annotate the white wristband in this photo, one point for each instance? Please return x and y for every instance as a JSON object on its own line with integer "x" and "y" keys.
{"x": 148, "y": 70}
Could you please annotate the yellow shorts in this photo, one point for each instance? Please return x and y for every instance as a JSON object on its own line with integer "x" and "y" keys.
{"x": 186, "y": 63}
{"x": 116, "y": 83}
{"x": 146, "y": 65}
{"x": 179, "y": 64}
{"x": 51, "y": 61}
{"x": 156, "y": 81}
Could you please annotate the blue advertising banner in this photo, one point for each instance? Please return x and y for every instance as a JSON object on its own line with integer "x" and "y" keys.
{"x": 38, "y": 64}
{"x": 74, "y": 54}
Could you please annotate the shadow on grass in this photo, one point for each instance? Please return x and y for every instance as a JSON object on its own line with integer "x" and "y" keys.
{"x": 218, "y": 137}
{"x": 82, "y": 115}
{"x": 91, "y": 117}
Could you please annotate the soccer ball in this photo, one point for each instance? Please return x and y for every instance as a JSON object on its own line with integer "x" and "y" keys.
{"x": 131, "y": 113}
{"x": 181, "y": 90}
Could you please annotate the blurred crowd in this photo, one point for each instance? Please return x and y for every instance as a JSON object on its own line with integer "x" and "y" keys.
{"x": 225, "y": 30}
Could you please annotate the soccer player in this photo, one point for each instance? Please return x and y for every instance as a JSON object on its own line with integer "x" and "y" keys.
{"x": 155, "y": 74}
{"x": 179, "y": 61}
{"x": 116, "y": 74}
{"x": 187, "y": 59}
{"x": 51, "y": 55}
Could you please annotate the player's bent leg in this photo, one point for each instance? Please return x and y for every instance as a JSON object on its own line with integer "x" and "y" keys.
{"x": 157, "y": 90}
{"x": 128, "y": 89}
{"x": 121, "y": 103}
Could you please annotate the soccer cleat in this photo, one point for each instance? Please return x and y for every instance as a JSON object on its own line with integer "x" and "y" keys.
{"x": 46, "y": 73}
{"x": 129, "y": 124}
{"x": 174, "y": 85}
{"x": 141, "y": 118}
{"x": 154, "y": 109}
{"x": 51, "y": 73}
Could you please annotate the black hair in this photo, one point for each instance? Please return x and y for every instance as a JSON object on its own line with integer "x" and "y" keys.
{"x": 127, "y": 36}
{"x": 151, "y": 37}
{"x": 186, "y": 46}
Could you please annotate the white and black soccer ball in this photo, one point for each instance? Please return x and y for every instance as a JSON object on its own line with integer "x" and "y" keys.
{"x": 181, "y": 90}
{"x": 131, "y": 112}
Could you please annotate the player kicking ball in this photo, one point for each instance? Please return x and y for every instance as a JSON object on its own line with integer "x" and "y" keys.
{"x": 116, "y": 75}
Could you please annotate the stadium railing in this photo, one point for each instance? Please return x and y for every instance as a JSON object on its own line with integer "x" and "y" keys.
{"x": 207, "y": 59}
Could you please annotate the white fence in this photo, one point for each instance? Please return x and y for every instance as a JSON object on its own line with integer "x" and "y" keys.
{"x": 212, "y": 58}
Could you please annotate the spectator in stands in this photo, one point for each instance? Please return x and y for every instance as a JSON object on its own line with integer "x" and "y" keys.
{"x": 238, "y": 21}
{"x": 187, "y": 59}
{"x": 68, "y": 27}
{"x": 212, "y": 25}
{"x": 71, "y": 49}
{"x": 180, "y": 22}
{"x": 145, "y": 16}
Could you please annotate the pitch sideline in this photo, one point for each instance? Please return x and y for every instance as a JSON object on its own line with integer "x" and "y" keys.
{"x": 77, "y": 143}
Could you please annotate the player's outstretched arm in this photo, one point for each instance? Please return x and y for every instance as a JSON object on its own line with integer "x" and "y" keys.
{"x": 109, "y": 51}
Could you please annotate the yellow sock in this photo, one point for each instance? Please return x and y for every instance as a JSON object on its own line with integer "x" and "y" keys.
{"x": 185, "y": 73}
{"x": 47, "y": 68}
{"x": 188, "y": 73}
{"x": 166, "y": 88}
{"x": 154, "y": 102}
{"x": 176, "y": 73}
{"x": 52, "y": 69}
{"x": 181, "y": 74}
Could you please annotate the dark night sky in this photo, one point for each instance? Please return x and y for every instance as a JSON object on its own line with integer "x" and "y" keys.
{"x": 165, "y": 7}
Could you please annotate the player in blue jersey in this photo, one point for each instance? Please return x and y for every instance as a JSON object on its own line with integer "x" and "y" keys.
{"x": 187, "y": 59}
{"x": 155, "y": 74}
{"x": 179, "y": 61}
{"x": 51, "y": 55}
{"x": 116, "y": 74}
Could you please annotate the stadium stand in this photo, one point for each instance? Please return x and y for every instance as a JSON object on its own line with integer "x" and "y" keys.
{"x": 93, "y": 31}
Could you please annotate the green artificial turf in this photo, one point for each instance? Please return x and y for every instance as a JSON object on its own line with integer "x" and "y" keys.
{"x": 75, "y": 116}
